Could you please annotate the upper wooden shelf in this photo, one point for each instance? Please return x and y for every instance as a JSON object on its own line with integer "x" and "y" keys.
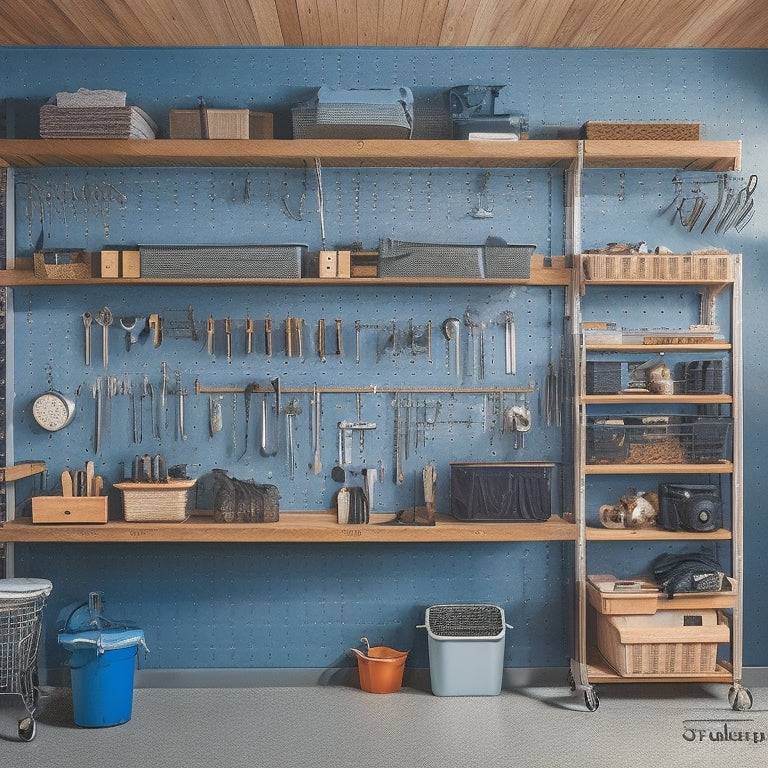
{"x": 558, "y": 153}
{"x": 553, "y": 274}
{"x": 293, "y": 527}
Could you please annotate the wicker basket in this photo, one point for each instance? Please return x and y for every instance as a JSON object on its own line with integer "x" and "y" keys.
{"x": 642, "y": 131}
{"x": 76, "y": 267}
{"x": 685, "y": 642}
{"x": 643, "y": 267}
{"x": 155, "y": 502}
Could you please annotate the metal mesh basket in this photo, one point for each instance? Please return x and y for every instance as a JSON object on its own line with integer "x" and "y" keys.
{"x": 400, "y": 258}
{"x": 455, "y": 621}
{"x": 236, "y": 261}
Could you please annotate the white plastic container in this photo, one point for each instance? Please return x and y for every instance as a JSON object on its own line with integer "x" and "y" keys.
{"x": 466, "y": 649}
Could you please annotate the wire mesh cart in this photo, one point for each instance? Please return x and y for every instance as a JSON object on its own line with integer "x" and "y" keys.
{"x": 21, "y": 607}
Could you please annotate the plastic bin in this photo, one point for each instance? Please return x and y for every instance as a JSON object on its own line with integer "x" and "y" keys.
{"x": 102, "y": 664}
{"x": 466, "y": 649}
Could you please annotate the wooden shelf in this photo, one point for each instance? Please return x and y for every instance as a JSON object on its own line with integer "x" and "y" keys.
{"x": 685, "y": 155}
{"x": 600, "y": 671}
{"x": 293, "y": 527}
{"x": 383, "y": 153}
{"x": 19, "y": 471}
{"x": 555, "y": 275}
{"x": 649, "y": 397}
{"x": 653, "y": 534}
{"x": 721, "y": 468}
{"x": 718, "y": 346}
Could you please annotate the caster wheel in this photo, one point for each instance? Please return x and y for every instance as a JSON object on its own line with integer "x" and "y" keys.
{"x": 740, "y": 699}
{"x": 27, "y": 728}
{"x": 591, "y": 699}
{"x": 571, "y": 682}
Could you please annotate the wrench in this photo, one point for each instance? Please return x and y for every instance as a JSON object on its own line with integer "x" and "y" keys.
{"x": 87, "y": 321}
{"x": 105, "y": 318}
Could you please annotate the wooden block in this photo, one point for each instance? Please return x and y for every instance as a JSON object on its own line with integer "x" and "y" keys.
{"x": 327, "y": 264}
{"x": 343, "y": 264}
{"x": 109, "y": 264}
{"x": 130, "y": 264}
{"x": 73, "y": 509}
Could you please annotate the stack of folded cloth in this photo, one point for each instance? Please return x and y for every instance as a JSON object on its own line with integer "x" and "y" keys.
{"x": 100, "y": 114}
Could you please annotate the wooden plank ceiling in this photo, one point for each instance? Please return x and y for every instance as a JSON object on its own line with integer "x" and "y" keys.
{"x": 432, "y": 23}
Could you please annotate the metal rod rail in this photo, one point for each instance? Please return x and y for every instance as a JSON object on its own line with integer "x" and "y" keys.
{"x": 257, "y": 389}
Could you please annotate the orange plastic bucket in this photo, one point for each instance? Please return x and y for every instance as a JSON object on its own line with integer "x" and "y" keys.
{"x": 381, "y": 669}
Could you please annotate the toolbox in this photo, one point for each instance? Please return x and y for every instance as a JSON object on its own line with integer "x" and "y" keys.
{"x": 501, "y": 491}
{"x": 69, "y": 509}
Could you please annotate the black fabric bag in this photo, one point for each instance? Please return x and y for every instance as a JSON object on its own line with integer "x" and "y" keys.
{"x": 691, "y": 572}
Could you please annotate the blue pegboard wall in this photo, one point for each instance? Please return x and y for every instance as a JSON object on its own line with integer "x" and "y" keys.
{"x": 302, "y": 605}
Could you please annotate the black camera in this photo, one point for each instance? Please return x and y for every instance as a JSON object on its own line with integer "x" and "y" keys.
{"x": 684, "y": 507}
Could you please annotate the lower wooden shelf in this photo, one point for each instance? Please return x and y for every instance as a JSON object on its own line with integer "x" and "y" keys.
{"x": 600, "y": 671}
{"x": 293, "y": 527}
{"x": 654, "y": 534}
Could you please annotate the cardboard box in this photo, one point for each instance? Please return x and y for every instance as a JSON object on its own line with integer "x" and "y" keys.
{"x": 69, "y": 509}
{"x": 221, "y": 124}
{"x": 130, "y": 264}
{"x": 109, "y": 264}
{"x": 327, "y": 264}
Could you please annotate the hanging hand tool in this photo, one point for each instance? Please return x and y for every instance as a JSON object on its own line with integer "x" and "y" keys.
{"x": 510, "y": 344}
{"x": 369, "y": 476}
{"x": 298, "y": 327}
{"x": 268, "y": 336}
{"x": 358, "y": 325}
{"x": 347, "y": 430}
{"x": 181, "y": 394}
{"x": 215, "y": 420}
{"x": 321, "y": 339}
{"x": 288, "y": 336}
{"x": 105, "y": 318}
{"x": 209, "y": 335}
{"x": 317, "y": 464}
{"x": 228, "y": 337}
{"x": 291, "y": 411}
{"x": 162, "y": 416}
{"x": 249, "y": 390}
{"x": 429, "y": 341}
{"x": 248, "y": 335}
{"x": 451, "y": 332}
{"x": 87, "y": 322}
{"x": 155, "y": 323}
{"x": 399, "y": 477}
{"x": 339, "y": 348}
{"x": 128, "y": 324}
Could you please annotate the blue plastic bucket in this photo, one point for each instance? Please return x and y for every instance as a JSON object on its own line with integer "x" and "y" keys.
{"x": 102, "y": 686}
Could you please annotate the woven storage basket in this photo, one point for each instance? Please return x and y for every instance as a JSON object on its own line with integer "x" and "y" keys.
{"x": 657, "y": 267}
{"x": 76, "y": 268}
{"x": 642, "y": 131}
{"x": 155, "y": 502}
{"x": 680, "y": 648}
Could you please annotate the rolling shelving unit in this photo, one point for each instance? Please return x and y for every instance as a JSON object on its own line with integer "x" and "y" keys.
{"x": 588, "y": 665}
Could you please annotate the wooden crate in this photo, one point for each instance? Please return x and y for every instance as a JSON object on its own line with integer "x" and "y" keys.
{"x": 654, "y": 267}
{"x": 665, "y": 643}
{"x": 648, "y": 600}
{"x": 656, "y": 131}
{"x": 69, "y": 509}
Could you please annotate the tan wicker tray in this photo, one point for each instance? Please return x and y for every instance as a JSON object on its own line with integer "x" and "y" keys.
{"x": 155, "y": 502}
